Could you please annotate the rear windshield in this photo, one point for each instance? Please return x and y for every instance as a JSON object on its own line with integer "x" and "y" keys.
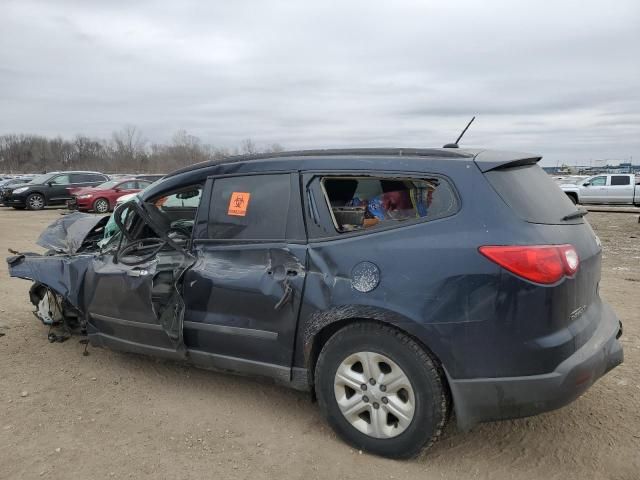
{"x": 532, "y": 194}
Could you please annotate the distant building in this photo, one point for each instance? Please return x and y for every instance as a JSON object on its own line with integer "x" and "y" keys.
{"x": 563, "y": 170}
{"x": 623, "y": 167}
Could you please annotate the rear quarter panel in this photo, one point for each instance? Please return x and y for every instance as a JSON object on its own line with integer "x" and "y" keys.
{"x": 478, "y": 319}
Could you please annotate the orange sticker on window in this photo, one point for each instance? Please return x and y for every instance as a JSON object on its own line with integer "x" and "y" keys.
{"x": 238, "y": 204}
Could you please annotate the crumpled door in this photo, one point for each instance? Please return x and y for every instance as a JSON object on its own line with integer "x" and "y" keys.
{"x": 125, "y": 304}
{"x": 134, "y": 301}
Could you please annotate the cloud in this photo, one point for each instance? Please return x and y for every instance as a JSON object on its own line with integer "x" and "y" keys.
{"x": 560, "y": 80}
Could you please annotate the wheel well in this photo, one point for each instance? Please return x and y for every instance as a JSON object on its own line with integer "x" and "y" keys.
{"x": 572, "y": 195}
{"x": 321, "y": 338}
{"x": 44, "y": 197}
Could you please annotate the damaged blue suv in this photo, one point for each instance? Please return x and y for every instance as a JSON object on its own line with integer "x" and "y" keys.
{"x": 397, "y": 285}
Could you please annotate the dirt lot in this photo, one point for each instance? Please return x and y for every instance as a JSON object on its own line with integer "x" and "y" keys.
{"x": 114, "y": 415}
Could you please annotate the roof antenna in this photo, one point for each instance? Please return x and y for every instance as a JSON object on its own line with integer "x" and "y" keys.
{"x": 455, "y": 144}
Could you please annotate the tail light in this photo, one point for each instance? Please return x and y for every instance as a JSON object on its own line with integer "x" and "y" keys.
{"x": 544, "y": 264}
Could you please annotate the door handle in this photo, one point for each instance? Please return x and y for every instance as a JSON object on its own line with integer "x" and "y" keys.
{"x": 287, "y": 295}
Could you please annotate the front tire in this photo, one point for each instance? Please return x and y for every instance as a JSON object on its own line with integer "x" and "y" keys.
{"x": 101, "y": 205}
{"x": 35, "y": 201}
{"x": 381, "y": 391}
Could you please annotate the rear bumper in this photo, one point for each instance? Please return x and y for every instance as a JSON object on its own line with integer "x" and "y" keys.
{"x": 486, "y": 399}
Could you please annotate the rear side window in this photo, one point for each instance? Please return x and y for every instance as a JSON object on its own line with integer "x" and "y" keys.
{"x": 532, "y": 194}
{"x": 620, "y": 180}
{"x": 78, "y": 178}
{"x": 87, "y": 178}
{"x": 360, "y": 203}
{"x": 250, "y": 208}
{"x": 130, "y": 185}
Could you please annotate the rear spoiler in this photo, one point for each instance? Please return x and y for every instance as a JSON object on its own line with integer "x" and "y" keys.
{"x": 488, "y": 160}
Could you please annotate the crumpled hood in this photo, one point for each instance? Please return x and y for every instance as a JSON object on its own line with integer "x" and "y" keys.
{"x": 67, "y": 233}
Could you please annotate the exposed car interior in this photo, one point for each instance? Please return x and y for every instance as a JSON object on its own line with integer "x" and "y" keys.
{"x": 172, "y": 216}
{"x": 158, "y": 250}
{"x": 359, "y": 203}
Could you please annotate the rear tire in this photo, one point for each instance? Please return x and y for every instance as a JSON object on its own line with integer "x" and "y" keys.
{"x": 35, "y": 201}
{"x": 379, "y": 418}
{"x": 101, "y": 205}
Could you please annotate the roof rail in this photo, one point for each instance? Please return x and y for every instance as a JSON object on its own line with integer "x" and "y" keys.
{"x": 387, "y": 152}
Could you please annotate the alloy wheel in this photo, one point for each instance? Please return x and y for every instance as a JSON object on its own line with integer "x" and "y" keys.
{"x": 374, "y": 394}
{"x": 101, "y": 206}
{"x": 36, "y": 202}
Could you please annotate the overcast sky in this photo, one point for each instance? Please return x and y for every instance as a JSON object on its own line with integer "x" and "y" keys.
{"x": 557, "y": 78}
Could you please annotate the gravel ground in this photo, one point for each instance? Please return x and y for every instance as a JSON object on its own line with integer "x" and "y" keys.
{"x": 114, "y": 415}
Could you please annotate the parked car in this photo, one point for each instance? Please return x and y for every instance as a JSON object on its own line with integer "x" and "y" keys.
{"x": 124, "y": 198}
{"x": 50, "y": 189}
{"x": 129, "y": 196}
{"x": 570, "y": 179}
{"x": 151, "y": 177}
{"x": 395, "y": 284}
{"x": 114, "y": 176}
{"x": 7, "y": 185}
{"x": 102, "y": 198}
{"x": 11, "y": 177}
{"x": 615, "y": 188}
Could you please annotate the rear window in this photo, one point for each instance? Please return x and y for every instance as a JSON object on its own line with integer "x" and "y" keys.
{"x": 360, "y": 203}
{"x": 620, "y": 180}
{"x": 532, "y": 194}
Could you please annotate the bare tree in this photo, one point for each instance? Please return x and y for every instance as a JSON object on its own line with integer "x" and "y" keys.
{"x": 274, "y": 148}
{"x": 128, "y": 147}
{"x": 89, "y": 153}
{"x": 248, "y": 147}
{"x": 126, "y": 151}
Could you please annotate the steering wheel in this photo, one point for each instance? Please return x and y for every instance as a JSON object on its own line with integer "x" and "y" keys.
{"x": 126, "y": 256}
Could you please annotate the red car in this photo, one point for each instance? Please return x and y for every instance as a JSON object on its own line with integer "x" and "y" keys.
{"x": 102, "y": 199}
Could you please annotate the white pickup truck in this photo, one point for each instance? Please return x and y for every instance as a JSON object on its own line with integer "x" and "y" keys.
{"x": 606, "y": 188}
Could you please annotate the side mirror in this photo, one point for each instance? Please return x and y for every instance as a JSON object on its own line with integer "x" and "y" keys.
{"x": 50, "y": 184}
{"x": 586, "y": 184}
{"x": 117, "y": 189}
